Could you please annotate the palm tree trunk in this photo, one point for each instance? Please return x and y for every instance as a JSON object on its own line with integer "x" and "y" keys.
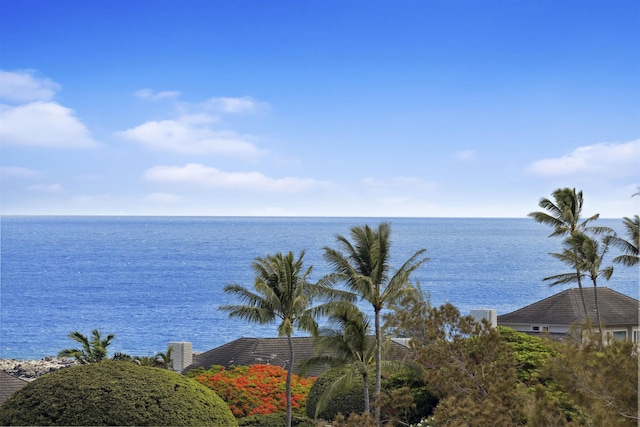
{"x": 365, "y": 381}
{"x": 584, "y": 302}
{"x": 378, "y": 363}
{"x": 595, "y": 296}
{"x": 288, "y": 381}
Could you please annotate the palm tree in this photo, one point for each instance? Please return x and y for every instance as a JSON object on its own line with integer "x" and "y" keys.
{"x": 365, "y": 269}
{"x": 165, "y": 360}
{"x": 347, "y": 341}
{"x": 282, "y": 292}
{"x": 586, "y": 255}
{"x": 630, "y": 256}
{"x": 92, "y": 351}
{"x": 564, "y": 215}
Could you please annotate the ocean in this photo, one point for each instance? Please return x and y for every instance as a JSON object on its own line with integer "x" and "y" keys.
{"x": 154, "y": 280}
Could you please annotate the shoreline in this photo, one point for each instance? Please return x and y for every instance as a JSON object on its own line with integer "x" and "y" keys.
{"x": 30, "y": 369}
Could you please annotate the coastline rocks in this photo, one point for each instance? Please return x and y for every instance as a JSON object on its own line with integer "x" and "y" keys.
{"x": 31, "y": 369}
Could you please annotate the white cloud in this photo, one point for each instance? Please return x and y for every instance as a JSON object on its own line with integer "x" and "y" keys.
{"x": 465, "y": 155}
{"x": 243, "y": 104}
{"x": 17, "y": 172}
{"x": 190, "y": 135}
{"x": 46, "y": 188}
{"x": 43, "y": 124}
{"x": 156, "y": 96}
{"x": 24, "y": 86}
{"x": 605, "y": 159}
{"x": 194, "y": 173}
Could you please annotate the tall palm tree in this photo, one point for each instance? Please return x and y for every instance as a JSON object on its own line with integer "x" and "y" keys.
{"x": 631, "y": 253}
{"x": 586, "y": 255}
{"x": 91, "y": 351}
{"x": 365, "y": 269}
{"x": 347, "y": 341}
{"x": 281, "y": 292}
{"x": 564, "y": 216}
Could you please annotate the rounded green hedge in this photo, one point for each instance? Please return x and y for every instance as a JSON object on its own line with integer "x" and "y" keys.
{"x": 115, "y": 393}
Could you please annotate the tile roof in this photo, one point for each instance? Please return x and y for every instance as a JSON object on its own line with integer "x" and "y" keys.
{"x": 9, "y": 385}
{"x": 565, "y": 308}
{"x": 273, "y": 351}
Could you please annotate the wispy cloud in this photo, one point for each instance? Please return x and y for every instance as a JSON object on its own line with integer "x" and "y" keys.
{"x": 46, "y": 188}
{"x": 156, "y": 96}
{"x": 18, "y": 172}
{"x": 192, "y": 135}
{"x": 201, "y": 175}
{"x": 604, "y": 159}
{"x": 24, "y": 86}
{"x": 244, "y": 104}
{"x": 465, "y": 155}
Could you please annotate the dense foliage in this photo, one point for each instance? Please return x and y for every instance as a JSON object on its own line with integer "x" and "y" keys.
{"x": 255, "y": 389}
{"x": 275, "y": 420}
{"x": 115, "y": 393}
{"x": 346, "y": 398}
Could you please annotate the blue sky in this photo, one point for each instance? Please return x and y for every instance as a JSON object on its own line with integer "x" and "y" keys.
{"x": 318, "y": 108}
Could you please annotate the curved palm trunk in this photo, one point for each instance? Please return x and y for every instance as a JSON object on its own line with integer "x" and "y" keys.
{"x": 378, "y": 363}
{"x": 288, "y": 381}
{"x": 584, "y": 302}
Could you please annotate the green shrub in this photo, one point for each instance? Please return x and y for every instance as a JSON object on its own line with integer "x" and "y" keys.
{"x": 275, "y": 420}
{"x": 115, "y": 393}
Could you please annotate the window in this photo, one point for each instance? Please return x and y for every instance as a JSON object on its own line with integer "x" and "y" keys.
{"x": 538, "y": 328}
{"x": 636, "y": 335}
{"x": 618, "y": 335}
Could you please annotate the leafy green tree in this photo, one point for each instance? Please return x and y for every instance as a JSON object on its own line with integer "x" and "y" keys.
{"x": 602, "y": 380}
{"x": 364, "y": 266}
{"x": 563, "y": 214}
{"x": 630, "y": 252}
{"x": 282, "y": 292}
{"x": 586, "y": 255}
{"x": 346, "y": 342}
{"x": 92, "y": 350}
{"x": 467, "y": 363}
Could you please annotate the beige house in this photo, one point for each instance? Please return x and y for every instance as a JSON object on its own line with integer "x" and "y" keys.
{"x": 563, "y": 314}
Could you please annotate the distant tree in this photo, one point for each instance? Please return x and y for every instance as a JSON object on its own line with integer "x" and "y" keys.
{"x": 364, "y": 266}
{"x": 563, "y": 214}
{"x": 92, "y": 350}
{"x": 631, "y": 254}
{"x": 282, "y": 291}
{"x": 586, "y": 255}
{"x": 165, "y": 359}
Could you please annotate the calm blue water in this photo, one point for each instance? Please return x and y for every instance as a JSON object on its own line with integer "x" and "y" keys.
{"x": 152, "y": 280}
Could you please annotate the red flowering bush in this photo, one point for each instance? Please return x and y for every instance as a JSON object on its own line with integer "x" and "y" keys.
{"x": 255, "y": 389}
